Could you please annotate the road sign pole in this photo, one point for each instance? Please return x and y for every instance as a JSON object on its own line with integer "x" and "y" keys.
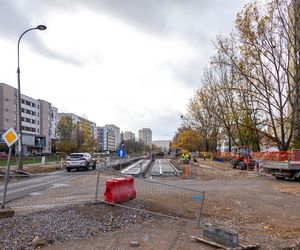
{"x": 6, "y": 178}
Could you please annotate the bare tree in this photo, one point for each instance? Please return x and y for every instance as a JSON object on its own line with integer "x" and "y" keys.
{"x": 260, "y": 52}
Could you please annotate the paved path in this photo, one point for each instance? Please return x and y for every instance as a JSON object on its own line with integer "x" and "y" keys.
{"x": 163, "y": 167}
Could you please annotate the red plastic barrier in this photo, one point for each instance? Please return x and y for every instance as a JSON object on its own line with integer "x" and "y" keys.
{"x": 119, "y": 190}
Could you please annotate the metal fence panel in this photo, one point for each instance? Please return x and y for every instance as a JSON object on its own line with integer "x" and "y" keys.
{"x": 70, "y": 188}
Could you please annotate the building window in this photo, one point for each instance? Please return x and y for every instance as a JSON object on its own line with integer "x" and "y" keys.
{"x": 23, "y": 101}
{"x": 6, "y": 110}
{"x": 6, "y": 99}
{"x": 7, "y": 120}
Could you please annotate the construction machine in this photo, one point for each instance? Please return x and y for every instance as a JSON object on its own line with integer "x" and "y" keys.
{"x": 242, "y": 159}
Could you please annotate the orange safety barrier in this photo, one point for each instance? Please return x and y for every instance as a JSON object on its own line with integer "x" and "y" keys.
{"x": 119, "y": 190}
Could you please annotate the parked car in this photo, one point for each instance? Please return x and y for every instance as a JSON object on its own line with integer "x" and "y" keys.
{"x": 80, "y": 160}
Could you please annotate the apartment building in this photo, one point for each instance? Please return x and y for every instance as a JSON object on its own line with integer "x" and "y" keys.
{"x": 81, "y": 122}
{"x": 35, "y": 119}
{"x": 128, "y": 136}
{"x": 106, "y": 139}
{"x": 145, "y": 135}
{"x": 116, "y": 131}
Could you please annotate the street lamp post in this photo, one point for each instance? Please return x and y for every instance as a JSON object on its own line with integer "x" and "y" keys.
{"x": 20, "y": 161}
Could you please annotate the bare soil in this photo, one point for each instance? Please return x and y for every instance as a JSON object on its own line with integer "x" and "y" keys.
{"x": 261, "y": 209}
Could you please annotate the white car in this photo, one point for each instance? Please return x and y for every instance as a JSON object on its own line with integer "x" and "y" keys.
{"x": 80, "y": 160}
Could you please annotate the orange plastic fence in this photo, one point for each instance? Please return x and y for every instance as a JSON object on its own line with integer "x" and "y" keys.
{"x": 273, "y": 156}
{"x": 270, "y": 156}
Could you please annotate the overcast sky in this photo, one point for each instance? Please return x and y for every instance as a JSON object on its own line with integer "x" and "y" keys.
{"x": 133, "y": 63}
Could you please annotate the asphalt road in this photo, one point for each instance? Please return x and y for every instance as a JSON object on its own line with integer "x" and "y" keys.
{"x": 37, "y": 182}
{"x": 34, "y": 183}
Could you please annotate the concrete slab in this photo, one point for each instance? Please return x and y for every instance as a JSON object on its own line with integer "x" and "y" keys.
{"x": 221, "y": 235}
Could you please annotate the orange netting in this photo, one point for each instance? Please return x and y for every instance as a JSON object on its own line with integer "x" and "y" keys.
{"x": 270, "y": 156}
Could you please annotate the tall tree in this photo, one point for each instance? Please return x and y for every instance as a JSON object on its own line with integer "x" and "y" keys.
{"x": 66, "y": 131}
{"x": 259, "y": 51}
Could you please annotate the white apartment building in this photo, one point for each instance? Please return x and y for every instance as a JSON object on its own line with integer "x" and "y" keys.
{"x": 116, "y": 131}
{"x": 145, "y": 135}
{"x": 128, "y": 135}
{"x": 35, "y": 119}
{"x": 54, "y": 122}
{"x": 106, "y": 139}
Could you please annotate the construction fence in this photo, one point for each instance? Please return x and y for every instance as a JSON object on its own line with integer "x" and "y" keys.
{"x": 268, "y": 156}
{"x": 159, "y": 197}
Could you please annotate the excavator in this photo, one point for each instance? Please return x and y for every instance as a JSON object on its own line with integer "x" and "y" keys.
{"x": 242, "y": 159}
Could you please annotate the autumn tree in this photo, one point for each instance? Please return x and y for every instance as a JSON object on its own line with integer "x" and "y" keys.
{"x": 251, "y": 87}
{"x": 66, "y": 131}
{"x": 75, "y": 137}
{"x": 259, "y": 51}
{"x": 188, "y": 139}
{"x": 86, "y": 142}
{"x": 204, "y": 122}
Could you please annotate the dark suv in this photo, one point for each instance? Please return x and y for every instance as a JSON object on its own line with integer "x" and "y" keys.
{"x": 80, "y": 160}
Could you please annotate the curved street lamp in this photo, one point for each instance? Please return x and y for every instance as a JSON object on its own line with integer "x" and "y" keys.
{"x": 20, "y": 162}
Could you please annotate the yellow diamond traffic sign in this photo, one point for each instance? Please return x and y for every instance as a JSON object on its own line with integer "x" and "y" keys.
{"x": 10, "y": 137}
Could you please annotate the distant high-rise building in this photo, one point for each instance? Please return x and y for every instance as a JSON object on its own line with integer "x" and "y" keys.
{"x": 128, "y": 135}
{"x": 116, "y": 131}
{"x": 145, "y": 135}
{"x": 106, "y": 139}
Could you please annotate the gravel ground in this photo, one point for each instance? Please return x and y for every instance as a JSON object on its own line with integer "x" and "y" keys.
{"x": 262, "y": 209}
{"x": 41, "y": 228}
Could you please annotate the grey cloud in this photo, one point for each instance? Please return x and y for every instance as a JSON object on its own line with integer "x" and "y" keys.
{"x": 11, "y": 19}
{"x": 195, "y": 21}
{"x": 189, "y": 19}
{"x": 165, "y": 124}
{"x": 40, "y": 47}
{"x": 190, "y": 72}
{"x": 14, "y": 21}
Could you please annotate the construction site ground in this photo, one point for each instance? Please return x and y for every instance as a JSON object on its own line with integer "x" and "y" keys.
{"x": 261, "y": 209}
